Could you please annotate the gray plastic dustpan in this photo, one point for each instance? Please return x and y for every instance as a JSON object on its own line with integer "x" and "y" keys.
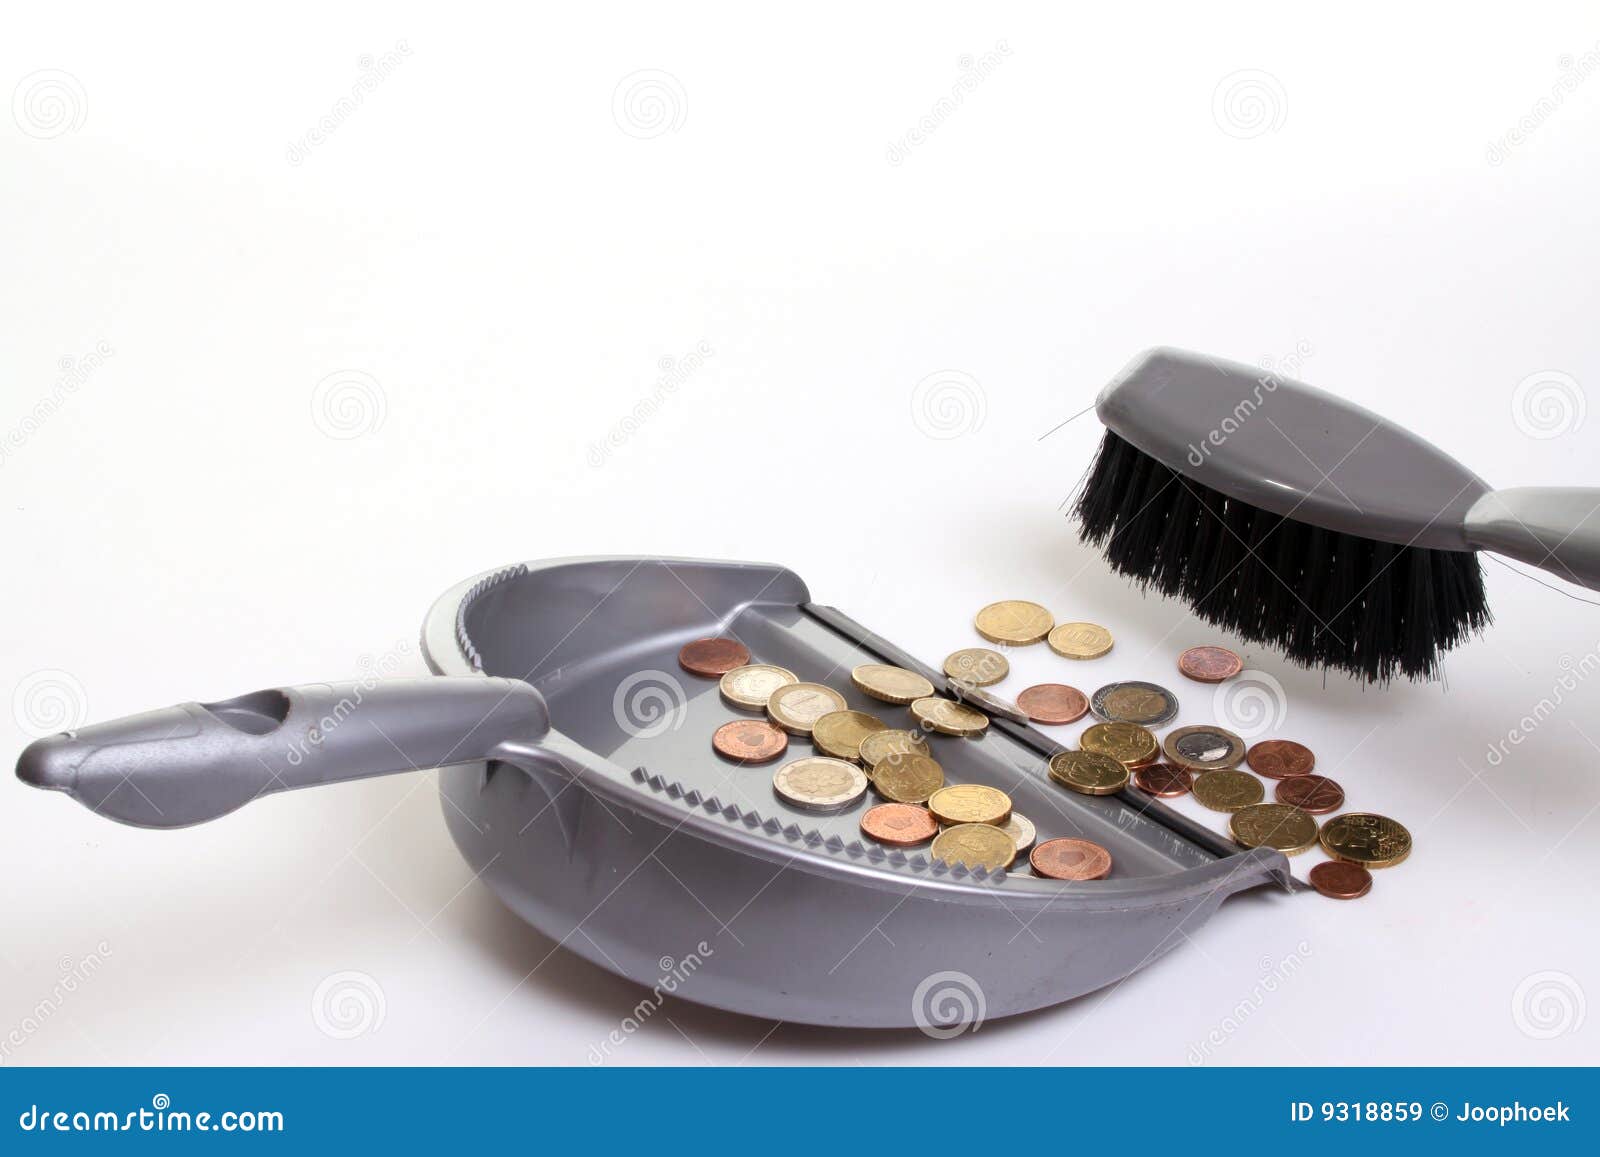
{"x": 580, "y": 782}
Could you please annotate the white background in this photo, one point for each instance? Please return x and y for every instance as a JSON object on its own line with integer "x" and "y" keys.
{"x": 508, "y": 252}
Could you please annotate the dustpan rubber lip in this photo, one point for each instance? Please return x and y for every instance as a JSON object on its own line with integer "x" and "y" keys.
{"x": 444, "y": 656}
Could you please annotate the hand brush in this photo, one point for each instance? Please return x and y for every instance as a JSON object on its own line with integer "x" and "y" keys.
{"x": 1296, "y": 519}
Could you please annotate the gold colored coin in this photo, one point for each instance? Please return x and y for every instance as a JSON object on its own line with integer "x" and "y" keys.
{"x": 975, "y": 845}
{"x": 1273, "y": 825}
{"x": 1127, "y": 743}
{"x": 839, "y": 733}
{"x": 1203, "y": 747}
{"x": 752, "y": 685}
{"x": 949, "y": 717}
{"x": 820, "y": 784}
{"x": 1080, "y": 640}
{"x": 1373, "y": 841}
{"x": 976, "y": 666}
{"x": 891, "y": 684}
{"x": 887, "y": 744}
{"x": 1088, "y": 772}
{"x": 1014, "y": 622}
{"x": 1021, "y": 830}
{"x": 909, "y": 778}
{"x": 798, "y": 706}
{"x": 1227, "y": 789}
{"x": 970, "y": 803}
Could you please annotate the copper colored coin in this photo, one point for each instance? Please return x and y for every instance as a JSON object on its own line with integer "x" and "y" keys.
{"x": 713, "y": 658}
{"x": 1069, "y": 859}
{"x": 1280, "y": 758}
{"x": 1053, "y": 703}
{"x": 1210, "y": 664}
{"x": 1341, "y": 881}
{"x": 1316, "y": 794}
{"x": 1167, "y": 779}
{"x": 899, "y": 824}
{"x": 750, "y": 740}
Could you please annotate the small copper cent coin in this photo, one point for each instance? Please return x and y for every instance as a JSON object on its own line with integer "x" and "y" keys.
{"x": 1053, "y": 703}
{"x": 1316, "y": 794}
{"x": 1280, "y": 758}
{"x": 900, "y": 825}
{"x": 1210, "y": 664}
{"x": 1338, "y": 880}
{"x": 750, "y": 741}
{"x": 1163, "y": 779}
{"x": 1070, "y": 859}
{"x": 713, "y": 658}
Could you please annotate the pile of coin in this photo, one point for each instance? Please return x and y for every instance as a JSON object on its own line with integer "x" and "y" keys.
{"x": 1200, "y": 759}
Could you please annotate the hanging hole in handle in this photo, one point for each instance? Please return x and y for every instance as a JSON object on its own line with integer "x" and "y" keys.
{"x": 257, "y": 713}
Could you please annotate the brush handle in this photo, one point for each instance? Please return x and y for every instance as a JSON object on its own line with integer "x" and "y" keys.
{"x": 1555, "y": 528}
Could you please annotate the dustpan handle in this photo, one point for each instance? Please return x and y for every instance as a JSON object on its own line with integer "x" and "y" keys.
{"x": 1555, "y": 528}
{"x": 196, "y": 761}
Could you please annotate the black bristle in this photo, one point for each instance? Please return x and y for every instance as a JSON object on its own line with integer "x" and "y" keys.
{"x": 1325, "y": 599}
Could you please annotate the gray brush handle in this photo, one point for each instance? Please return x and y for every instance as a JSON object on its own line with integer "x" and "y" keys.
{"x": 1555, "y": 528}
{"x": 197, "y": 761}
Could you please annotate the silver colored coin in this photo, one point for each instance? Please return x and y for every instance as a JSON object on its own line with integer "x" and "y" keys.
{"x": 1203, "y": 747}
{"x": 985, "y": 702}
{"x": 1021, "y": 830}
{"x": 820, "y": 783}
{"x": 1147, "y": 704}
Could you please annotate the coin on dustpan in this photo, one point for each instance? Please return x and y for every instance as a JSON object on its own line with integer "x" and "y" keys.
{"x": 820, "y": 783}
{"x": 796, "y": 707}
{"x": 909, "y": 778}
{"x": 948, "y": 717}
{"x": 752, "y": 685}
{"x": 887, "y": 744}
{"x": 970, "y": 803}
{"x": 975, "y": 846}
{"x": 839, "y": 733}
{"x": 891, "y": 684}
{"x": 1127, "y": 743}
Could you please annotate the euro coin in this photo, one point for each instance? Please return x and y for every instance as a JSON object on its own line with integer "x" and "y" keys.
{"x": 975, "y": 846}
{"x": 1227, "y": 790}
{"x": 1280, "y": 758}
{"x": 1373, "y": 841}
{"x": 797, "y": 706}
{"x": 976, "y": 666}
{"x": 1014, "y": 622}
{"x": 908, "y": 778}
{"x": 891, "y": 684}
{"x": 1210, "y": 664}
{"x": 1203, "y": 747}
{"x": 750, "y": 740}
{"x": 1127, "y": 743}
{"x": 1316, "y": 794}
{"x": 1146, "y": 704}
{"x": 1338, "y": 880}
{"x": 949, "y": 717}
{"x": 752, "y": 685}
{"x": 899, "y": 825}
{"x": 970, "y": 803}
{"x": 989, "y": 704}
{"x": 820, "y": 783}
{"x": 1021, "y": 830}
{"x": 1163, "y": 779}
{"x": 839, "y": 733}
{"x": 1088, "y": 772}
{"x": 1273, "y": 825}
{"x": 1080, "y": 640}
{"x": 1053, "y": 703}
{"x": 713, "y": 657}
{"x": 1070, "y": 859}
{"x": 890, "y": 742}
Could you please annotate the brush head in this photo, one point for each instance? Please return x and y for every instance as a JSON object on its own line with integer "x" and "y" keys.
{"x": 1285, "y": 514}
